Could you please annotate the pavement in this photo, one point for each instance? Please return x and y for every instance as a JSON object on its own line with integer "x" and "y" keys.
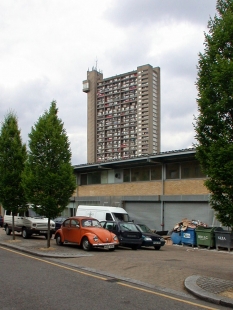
{"x": 185, "y": 271}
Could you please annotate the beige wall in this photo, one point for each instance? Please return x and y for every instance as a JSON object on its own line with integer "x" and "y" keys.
{"x": 185, "y": 187}
{"x": 180, "y": 187}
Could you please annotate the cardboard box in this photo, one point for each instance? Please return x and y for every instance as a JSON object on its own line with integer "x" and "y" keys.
{"x": 168, "y": 241}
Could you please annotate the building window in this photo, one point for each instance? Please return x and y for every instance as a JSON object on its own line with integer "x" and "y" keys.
{"x": 126, "y": 175}
{"x": 191, "y": 170}
{"x": 156, "y": 173}
{"x": 140, "y": 174}
{"x": 172, "y": 171}
{"x": 94, "y": 178}
{"x": 83, "y": 179}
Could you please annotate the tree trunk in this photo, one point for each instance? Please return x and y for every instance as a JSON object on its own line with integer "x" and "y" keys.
{"x": 13, "y": 226}
{"x": 48, "y": 235}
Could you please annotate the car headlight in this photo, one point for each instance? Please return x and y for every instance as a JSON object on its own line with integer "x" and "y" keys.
{"x": 161, "y": 239}
{"x": 95, "y": 238}
{"x": 34, "y": 225}
{"x": 147, "y": 239}
{"x": 115, "y": 238}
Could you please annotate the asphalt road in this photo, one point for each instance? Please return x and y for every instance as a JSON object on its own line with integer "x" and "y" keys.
{"x": 30, "y": 282}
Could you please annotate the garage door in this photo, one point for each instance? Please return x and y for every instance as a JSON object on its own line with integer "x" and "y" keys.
{"x": 148, "y": 213}
{"x": 175, "y": 212}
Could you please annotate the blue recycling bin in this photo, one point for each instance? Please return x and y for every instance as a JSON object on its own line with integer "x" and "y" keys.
{"x": 176, "y": 237}
{"x": 188, "y": 237}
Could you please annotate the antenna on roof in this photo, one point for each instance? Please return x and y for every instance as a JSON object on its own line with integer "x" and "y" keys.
{"x": 96, "y": 62}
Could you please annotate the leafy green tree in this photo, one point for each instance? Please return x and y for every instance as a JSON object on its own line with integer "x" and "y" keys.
{"x": 48, "y": 178}
{"x": 12, "y": 160}
{"x": 214, "y": 123}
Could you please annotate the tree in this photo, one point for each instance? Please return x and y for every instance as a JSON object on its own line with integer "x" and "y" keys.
{"x": 214, "y": 124}
{"x": 48, "y": 178}
{"x": 12, "y": 160}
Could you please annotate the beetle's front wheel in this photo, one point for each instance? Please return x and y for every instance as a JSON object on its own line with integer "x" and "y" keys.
{"x": 86, "y": 244}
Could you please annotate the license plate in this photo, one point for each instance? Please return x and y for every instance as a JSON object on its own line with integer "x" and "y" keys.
{"x": 43, "y": 232}
{"x": 111, "y": 246}
{"x": 156, "y": 242}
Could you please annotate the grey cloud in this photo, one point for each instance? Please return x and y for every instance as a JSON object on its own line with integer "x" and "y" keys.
{"x": 145, "y": 12}
{"x": 129, "y": 54}
{"x": 182, "y": 62}
{"x": 29, "y": 100}
{"x": 177, "y": 132}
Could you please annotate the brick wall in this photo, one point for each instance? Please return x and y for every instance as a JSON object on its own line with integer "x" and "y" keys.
{"x": 180, "y": 187}
{"x": 185, "y": 187}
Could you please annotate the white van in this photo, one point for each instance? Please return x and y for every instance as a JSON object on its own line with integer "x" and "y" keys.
{"x": 103, "y": 213}
{"x": 28, "y": 223}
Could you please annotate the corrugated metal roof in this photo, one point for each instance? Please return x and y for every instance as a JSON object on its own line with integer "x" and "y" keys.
{"x": 168, "y": 156}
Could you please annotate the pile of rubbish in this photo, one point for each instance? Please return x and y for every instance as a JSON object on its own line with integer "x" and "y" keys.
{"x": 185, "y": 223}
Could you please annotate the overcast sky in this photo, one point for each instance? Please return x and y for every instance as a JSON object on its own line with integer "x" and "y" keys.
{"x": 47, "y": 46}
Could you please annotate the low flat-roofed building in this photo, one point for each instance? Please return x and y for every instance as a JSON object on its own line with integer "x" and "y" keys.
{"x": 156, "y": 189}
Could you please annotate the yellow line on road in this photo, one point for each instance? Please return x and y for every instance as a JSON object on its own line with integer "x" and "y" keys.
{"x": 54, "y": 264}
{"x": 166, "y": 296}
{"x": 105, "y": 279}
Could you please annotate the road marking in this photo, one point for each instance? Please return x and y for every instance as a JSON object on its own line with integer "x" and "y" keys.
{"x": 166, "y": 296}
{"x": 54, "y": 264}
{"x": 105, "y": 279}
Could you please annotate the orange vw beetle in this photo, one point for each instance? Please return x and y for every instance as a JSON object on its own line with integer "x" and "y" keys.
{"x": 87, "y": 232}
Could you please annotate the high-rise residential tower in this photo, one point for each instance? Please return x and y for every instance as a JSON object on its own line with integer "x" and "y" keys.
{"x": 123, "y": 114}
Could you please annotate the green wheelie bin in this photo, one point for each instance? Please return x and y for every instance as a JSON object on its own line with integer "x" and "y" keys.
{"x": 205, "y": 236}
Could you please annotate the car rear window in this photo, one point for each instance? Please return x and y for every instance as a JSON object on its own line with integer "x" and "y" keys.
{"x": 91, "y": 223}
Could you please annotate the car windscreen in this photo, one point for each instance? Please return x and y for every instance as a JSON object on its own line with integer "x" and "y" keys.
{"x": 144, "y": 228}
{"x": 59, "y": 219}
{"x": 91, "y": 223}
{"x": 128, "y": 227}
{"x": 32, "y": 213}
{"x": 121, "y": 217}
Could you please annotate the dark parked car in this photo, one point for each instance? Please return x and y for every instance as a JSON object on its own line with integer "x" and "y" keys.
{"x": 1, "y": 221}
{"x": 149, "y": 238}
{"x": 127, "y": 233}
{"x": 58, "y": 221}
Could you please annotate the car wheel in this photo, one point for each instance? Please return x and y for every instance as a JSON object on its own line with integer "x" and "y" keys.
{"x": 25, "y": 234}
{"x": 58, "y": 240}
{"x": 8, "y": 230}
{"x": 86, "y": 244}
{"x": 134, "y": 247}
{"x": 157, "y": 247}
